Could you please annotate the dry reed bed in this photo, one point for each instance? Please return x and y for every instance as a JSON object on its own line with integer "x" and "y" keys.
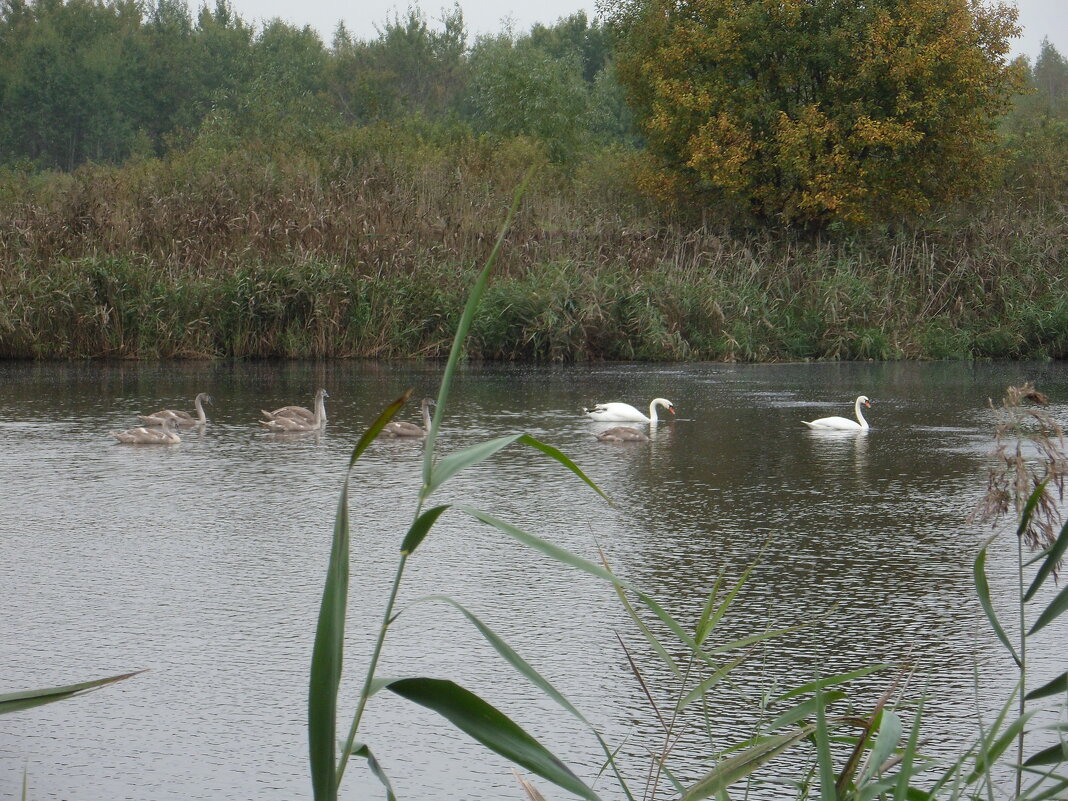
{"x": 243, "y": 255}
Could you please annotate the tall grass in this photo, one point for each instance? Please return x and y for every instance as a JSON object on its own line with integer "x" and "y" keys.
{"x": 362, "y": 243}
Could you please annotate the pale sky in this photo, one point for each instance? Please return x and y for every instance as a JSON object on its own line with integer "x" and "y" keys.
{"x": 1038, "y": 18}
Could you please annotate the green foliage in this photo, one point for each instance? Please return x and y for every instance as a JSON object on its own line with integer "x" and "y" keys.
{"x": 816, "y": 112}
{"x": 519, "y": 89}
{"x": 409, "y": 69}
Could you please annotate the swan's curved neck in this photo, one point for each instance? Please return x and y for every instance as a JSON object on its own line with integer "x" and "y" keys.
{"x": 320, "y": 410}
{"x": 201, "y": 417}
{"x": 426, "y": 416}
{"x": 652, "y": 410}
{"x": 860, "y": 414}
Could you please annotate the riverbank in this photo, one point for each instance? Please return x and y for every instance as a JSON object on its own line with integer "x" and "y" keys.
{"x": 249, "y": 255}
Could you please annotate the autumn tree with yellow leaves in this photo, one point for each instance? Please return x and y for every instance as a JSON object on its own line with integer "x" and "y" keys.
{"x": 810, "y": 112}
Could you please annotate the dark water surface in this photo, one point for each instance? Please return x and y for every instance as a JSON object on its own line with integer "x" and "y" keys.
{"x": 203, "y": 562}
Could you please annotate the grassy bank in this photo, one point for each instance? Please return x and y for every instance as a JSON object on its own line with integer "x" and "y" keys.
{"x": 348, "y": 248}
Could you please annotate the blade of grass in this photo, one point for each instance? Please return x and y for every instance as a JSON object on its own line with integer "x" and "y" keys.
{"x": 420, "y": 528}
{"x": 904, "y": 774}
{"x": 452, "y": 464}
{"x": 982, "y": 588}
{"x": 886, "y": 740}
{"x": 491, "y": 727}
{"x": 362, "y": 750}
{"x": 829, "y": 681}
{"x": 28, "y": 699}
{"x": 1057, "y": 607}
{"x": 821, "y": 736}
{"x": 803, "y": 710}
{"x": 1053, "y": 556}
{"x": 1059, "y": 686}
{"x": 742, "y": 764}
{"x": 328, "y": 648}
{"x": 1054, "y": 755}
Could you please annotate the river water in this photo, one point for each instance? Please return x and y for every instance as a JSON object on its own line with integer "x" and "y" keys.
{"x": 203, "y": 563}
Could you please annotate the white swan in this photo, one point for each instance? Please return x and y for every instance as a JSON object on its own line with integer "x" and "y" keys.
{"x": 178, "y": 417}
{"x": 399, "y": 428}
{"x": 843, "y": 423}
{"x": 297, "y": 418}
{"x": 163, "y": 435}
{"x": 625, "y": 413}
{"x": 623, "y": 434}
{"x": 305, "y": 418}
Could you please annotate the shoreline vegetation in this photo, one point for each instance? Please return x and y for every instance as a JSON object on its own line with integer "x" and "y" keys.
{"x": 314, "y": 201}
{"x": 370, "y": 256}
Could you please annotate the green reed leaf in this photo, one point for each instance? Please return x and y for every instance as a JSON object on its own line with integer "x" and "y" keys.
{"x": 704, "y": 622}
{"x": 805, "y": 709}
{"x": 994, "y": 747}
{"x": 1053, "y": 557}
{"x": 890, "y": 731}
{"x": 829, "y": 681}
{"x": 742, "y": 764}
{"x": 908, "y": 756}
{"x": 1053, "y": 788}
{"x": 564, "y": 556}
{"x": 562, "y": 458}
{"x": 982, "y": 587}
{"x": 1057, "y": 607}
{"x": 327, "y": 657}
{"x": 452, "y": 464}
{"x": 376, "y": 427}
{"x": 27, "y": 699}
{"x": 328, "y": 648}
{"x": 721, "y": 610}
{"x": 1059, "y": 686}
{"x": 508, "y": 653}
{"x": 643, "y": 627}
{"x": 1054, "y": 755}
{"x": 822, "y": 737}
{"x": 491, "y": 727}
{"x": 420, "y": 528}
{"x": 1029, "y": 508}
{"x": 362, "y": 750}
{"x": 703, "y": 687}
{"x": 532, "y": 675}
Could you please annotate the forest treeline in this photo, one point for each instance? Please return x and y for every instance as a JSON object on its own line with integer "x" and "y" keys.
{"x": 180, "y": 184}
{"x": 85, "y": 81}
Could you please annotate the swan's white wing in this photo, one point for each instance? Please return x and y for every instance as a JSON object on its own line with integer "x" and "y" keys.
{"x": 838, "y": 423}
{"x": 616, "y": 413}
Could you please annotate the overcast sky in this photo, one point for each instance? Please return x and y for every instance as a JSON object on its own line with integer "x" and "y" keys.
{"x": 1039, "y": 18}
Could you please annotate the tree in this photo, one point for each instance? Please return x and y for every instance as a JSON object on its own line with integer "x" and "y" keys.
{"x": 410, "y": 68}
{"x": 1050, "y": 78}
{"x": 816, "y": 111}
{"x": 517, "y": 89}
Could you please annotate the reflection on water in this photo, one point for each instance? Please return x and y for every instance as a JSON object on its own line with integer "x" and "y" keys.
{"x": 203, "y": 562}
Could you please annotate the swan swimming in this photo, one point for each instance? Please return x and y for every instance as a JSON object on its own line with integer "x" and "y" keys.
{"x": 400, "y": 428}
{"x": 163, "y": 435}
{"x": 178, "y": 417}
{"x": 843, "y": 423}
{"x": 625, "y": 413}
{"x": 623, "y": 434}
{"x": 297, "y": 418}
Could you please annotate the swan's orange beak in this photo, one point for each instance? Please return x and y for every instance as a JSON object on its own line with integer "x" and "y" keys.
{"x": 671, "y": 409}
{"x": 867, "y": 404}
